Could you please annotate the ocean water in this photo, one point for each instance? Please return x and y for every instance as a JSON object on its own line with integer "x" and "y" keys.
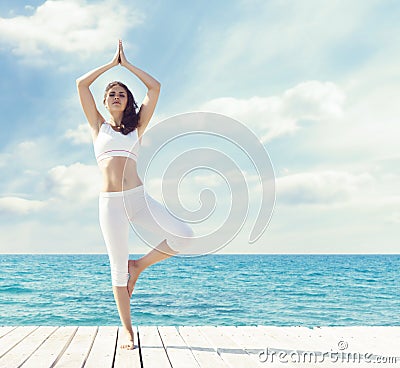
{"x": 281, "y": 290}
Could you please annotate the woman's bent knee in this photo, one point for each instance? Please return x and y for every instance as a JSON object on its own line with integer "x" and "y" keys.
{"x": 181, "y": 242}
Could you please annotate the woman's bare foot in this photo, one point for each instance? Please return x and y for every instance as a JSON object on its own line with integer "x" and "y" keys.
{"x": 134, "y": 272}
{"x": 127, "y": 340}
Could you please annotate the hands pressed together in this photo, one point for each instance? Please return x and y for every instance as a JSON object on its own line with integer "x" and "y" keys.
{"x": 119, "y": 57}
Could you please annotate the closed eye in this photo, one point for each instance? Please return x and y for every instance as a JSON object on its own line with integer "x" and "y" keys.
{"x": 121, "y": 94}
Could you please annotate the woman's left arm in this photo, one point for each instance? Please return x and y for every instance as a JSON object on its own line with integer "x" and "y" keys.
{"x": 153, "y": 90}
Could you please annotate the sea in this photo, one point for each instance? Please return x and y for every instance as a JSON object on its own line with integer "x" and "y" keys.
{"x": 256, "y": 289}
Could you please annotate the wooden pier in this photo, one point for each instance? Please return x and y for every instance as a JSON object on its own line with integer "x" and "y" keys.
{"x": 199, "y": 346}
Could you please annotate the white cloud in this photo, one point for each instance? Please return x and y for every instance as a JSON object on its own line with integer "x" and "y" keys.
{"x": 4, "y": 159}
{"x": 278, "y": 115}
{"x": 271, "y": 45}
{"x": 393, "y": 218}
{"x": 325, "y": 187}
{"x": 70, "y": 26}
{"x": 55, "y": 237}
{"x": 19, "y": 206}
{"x": 18, "y": 152}
{"x": 79, "y": 135}
{"x": 280, "y": 39}
{"x": 26, "y": 146}
{"x": 74, "y": 183}
{"x": 62, "y": 187}
{"x": 371, "y": 120}
{"x": 314, "y": 100}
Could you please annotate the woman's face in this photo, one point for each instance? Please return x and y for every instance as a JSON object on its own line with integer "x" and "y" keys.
{"x": 116, "y": 99}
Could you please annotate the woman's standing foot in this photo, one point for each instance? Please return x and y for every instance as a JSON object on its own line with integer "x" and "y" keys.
{"x": 127, "y": 340}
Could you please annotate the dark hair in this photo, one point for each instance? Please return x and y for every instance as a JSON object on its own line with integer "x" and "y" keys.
{"x": 130, "y": 119}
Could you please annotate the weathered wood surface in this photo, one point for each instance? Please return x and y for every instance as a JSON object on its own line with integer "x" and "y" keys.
{"x": 199, "y": 347}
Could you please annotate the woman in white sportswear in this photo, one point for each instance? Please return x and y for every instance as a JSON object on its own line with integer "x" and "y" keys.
{"x": 123, "y": 198}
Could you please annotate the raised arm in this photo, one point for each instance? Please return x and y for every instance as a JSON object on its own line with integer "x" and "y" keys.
{"x": 85, "y": 95}
{"x": 153, "y": 90}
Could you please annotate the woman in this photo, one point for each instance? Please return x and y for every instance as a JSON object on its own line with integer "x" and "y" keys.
{"x": 123, "y": 197}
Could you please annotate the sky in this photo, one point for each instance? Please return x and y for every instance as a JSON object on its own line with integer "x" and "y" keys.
{"x": 316, "y": 82}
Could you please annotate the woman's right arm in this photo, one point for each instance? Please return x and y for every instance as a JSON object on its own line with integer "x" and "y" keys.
{"x": 83, "y": 83}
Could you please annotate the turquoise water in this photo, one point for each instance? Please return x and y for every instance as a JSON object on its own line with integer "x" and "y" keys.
{"x": 281, "y": 290}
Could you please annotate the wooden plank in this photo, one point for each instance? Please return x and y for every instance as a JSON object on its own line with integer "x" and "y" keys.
{"x": 103, "y": 349}
{"x": 301, "y": 346}
{"x": 21, "y": 352}
{"x": 330, "y": 341}
{"x": 308, "y": 339}
{"x": 14, "y": 337}
{"x": 321, "y": 341}
{"x": 327, "y": 342}
{"x": 4, "y": 330}
{"x": 201, "y": 348}
{"x": 274, "y": 346}
{"x": 298, "y": 338}
{"x": 127, "y": 358}
{"x": 287, "y": 340}
{"x": 253, "y": 338}
{"x": 333, "y": 336}
{"x": 52, "y": 349}
{"x": 152, "y": 349}
{"x": 77, "y": 351}
{"x": 228, "y": 349}
{"x": 178, "y": 352}
{"x": 385, "y": 340}
{"x": 188, "y": 346}
{"x": 377, "y": 340}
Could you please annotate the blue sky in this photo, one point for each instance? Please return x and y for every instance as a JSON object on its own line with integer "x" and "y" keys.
{"x": 319, "y": 85}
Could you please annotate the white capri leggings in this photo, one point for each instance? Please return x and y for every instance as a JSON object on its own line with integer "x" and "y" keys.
{"x": 117, "y": 209}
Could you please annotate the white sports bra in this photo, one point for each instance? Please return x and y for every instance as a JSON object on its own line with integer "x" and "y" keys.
{"x": 110, "y": 143}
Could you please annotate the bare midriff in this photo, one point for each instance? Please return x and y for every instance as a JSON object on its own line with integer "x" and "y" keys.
{"x": 119, "y": 173}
